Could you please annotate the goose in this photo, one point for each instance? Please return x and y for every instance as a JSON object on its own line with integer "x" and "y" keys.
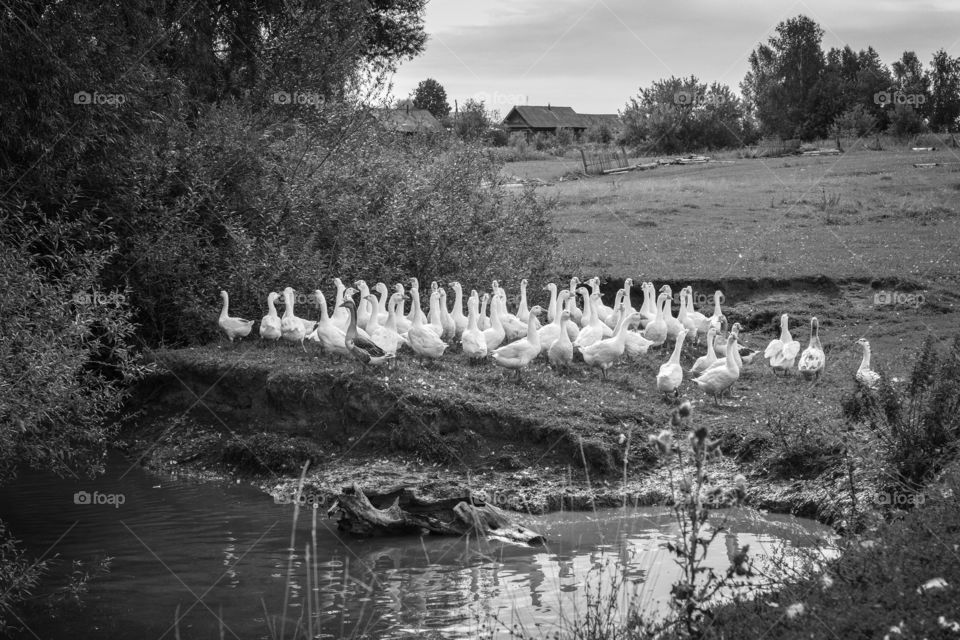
{"x": 865, "y": 375}
{"x": 745, "y": 355}
{"x": 332, "y": 338}
{"x": 628, "y": 302}
{"x": 414, "y": 309}
{"x": 270, "y": 323}
{"x": 656, "y": 330}
{"x": 434, "y": 321}
{"x": 687, "y": 320}
{"x": 720, "y": 339}
{"x": 715, "y": 319}
{"x": 576, "y": 315}
{"x": 403, "y": 325}
{"x": 551, "y": 332}
{"x": 232, "y": 327}
{"x": 364, "y": 310}
{"x": 523, "y": 312}
{"x": 386, "y": 336}
{"x": 636, "y": 344}
{"x": 449, "y": 326}
{"x": 572, "y": 329}
{"x": 483, "y": 320}
{"x": 781, "y": 352}
{"x": 518, "y": 355}
{"x": 593, "y": 332}
{"x": 671, "y": 373}
{"x": 813, "y": 358}
{"x": 364, "y": 350}
{"x": 701, "y": 321}
{"x": 704, "y": 362}
{"x": 606, "y": 353}
{"x": 292, "y": 328}
{"x": 495, "y": 334}
{"x": 599, "y": 308}
{"x": 472, "y": 342}
{"x": 513, "y": 328}
{"x": 382, "y": 311}
{"x": 459, "y": 320}
{"x": 340, "y": 317}
{"x": 673, "y": 325}
{"x": 716, "y": 380}
{"x": 650, "y": 306}
{"x": 560, "y": 352}
{"x": 552, "y": 308}
{"x": 619, "y": 308}
{"x": 423, "y": 339}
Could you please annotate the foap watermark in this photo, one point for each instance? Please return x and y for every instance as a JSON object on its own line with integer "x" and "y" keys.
{"x": 692, "y": 98}
{"x": 500, "y": 99}
{"x": 312, "y": 500}
{"x": 898, "y": 298}
{"x": 97, "y": 98}
{"x": 900, "y": 499}
{"x": 884, "y": 98}
{"x": 301, "y": 98}
{"x": 112, "y": 499}
{"x": 98, "y": 298}
{"x": 700, "y": 299}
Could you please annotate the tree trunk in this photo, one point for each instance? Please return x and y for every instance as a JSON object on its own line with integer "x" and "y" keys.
{"x": 402, "y": 512}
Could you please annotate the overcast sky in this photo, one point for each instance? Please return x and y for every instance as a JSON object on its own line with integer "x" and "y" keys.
{"x": 593, "y": 54}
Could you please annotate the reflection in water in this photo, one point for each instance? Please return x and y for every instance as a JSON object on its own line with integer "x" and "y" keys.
{"x": 211, "y": 548}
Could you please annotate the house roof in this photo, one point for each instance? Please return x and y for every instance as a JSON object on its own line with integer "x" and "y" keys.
{"x": 409, "y": 120}
{"x": 550, "y": 117}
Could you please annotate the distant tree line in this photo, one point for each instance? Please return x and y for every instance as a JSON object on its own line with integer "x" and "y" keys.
{"x": 795, "y": 90}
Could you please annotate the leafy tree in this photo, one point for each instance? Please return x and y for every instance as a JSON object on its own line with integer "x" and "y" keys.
{"x": 783, "y": 83}
{"x": 431, "y": 95}
{"x": 944, "y": 77}
{"x": 910, "y": 79}
{"x": 473, "y": 121}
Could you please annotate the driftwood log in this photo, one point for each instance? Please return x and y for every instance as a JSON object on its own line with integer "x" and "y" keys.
{"x": 403, "y": 512}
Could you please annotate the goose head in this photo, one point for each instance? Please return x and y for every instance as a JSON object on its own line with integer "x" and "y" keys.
{"x": 414, "y": 284}
{"x": 456, "y": 286}
{"x": 523, "y": 283}
{"x": 864, "y": 344}
{"x": 814, "y": 326}
{"x": 433, "y": 286}
{"x": 338, "y": 283}
{"x": 270, "y": 298}
{"x": 348, "y": 294}
{"x": 666, "y": 289}
{"x": 398, "y": 288}
{"x": 536, "y": 310}
{"x": 224, "y": 295}
{"x": 551, "y": 287}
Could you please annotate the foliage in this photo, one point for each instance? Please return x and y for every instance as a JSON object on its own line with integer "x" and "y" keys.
{"x": 64, "y": 344}
{"x": 431, "y": 95}
{"x": 944, "y": 92}
{"x": 905, "y": 121}
{"x": 855, "y": 121}
{"x": 683, "y": 114}
{"x": 918, "y": 428}
{"x": 18, "y": 576}
{"x": 473, "y": 121}
{"x": 599, "y": 133}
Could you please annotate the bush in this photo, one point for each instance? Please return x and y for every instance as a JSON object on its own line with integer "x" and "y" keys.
{"x": 855, "y": 121}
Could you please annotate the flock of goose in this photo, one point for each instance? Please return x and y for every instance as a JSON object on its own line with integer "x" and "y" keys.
{"x": 373, "y": 329}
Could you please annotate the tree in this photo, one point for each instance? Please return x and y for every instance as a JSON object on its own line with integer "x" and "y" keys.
{"x": 431, "y": 95}
{"x": 473, "y": 121}
{"x": 910, "y": 79}
{"x": 944, "y": 77}
{"x": 783, "y": 83}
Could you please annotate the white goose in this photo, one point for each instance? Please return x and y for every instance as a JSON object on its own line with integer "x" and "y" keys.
{"x": 483, "y": 320}
{"x": 865, "y": 375}
{"x": 403, "y": 325}
{"x": 600, "y": 309}
{"x": 292, "y": 328}
{"x": 340, "y": 317}
{"x": 671, "y": 373}
{"x": 560, "y": 352}
{"x": 704, "y": 362}
{"x": 424, "y": 340}
{"x": 718, "y": 379}
{"x": 232, "y": 327}
{"x": 331, "y": 337}
{"x": 518, "y": 355}
{"x": 495, "y": 335}
{"x": 472, "y": 342}
{"x": 594, "y": 331}
{"x": 364, "y": 309}
{"x": 523, "y": 311}
{"x": 715, "y": 319}
{"x": 270, "y": 323}
{"x": 414, "y": 309}
{"x": 553, "y": 311}
{"x": 459, "y": 320}
{"x": 449, "y": 326}
{"x": 781, "y": 352}
{"x": 673, "y": 325}
{"x": 386, "y": 336}
{"x": 813, "y": 359}
{"x": 382, "y": 311}
{"x": 435, "y": 323}
{"x": 650, "y": 306}
{"x": 576, "y": 315}
{"x": 605, "y": 353}
{"x": 698, "y": 318}
{"x": 656, "y": 330}
{"x": 685, "y": 317}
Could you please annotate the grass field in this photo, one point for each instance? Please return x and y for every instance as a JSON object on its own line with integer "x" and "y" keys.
{"x": 862, "y": 215}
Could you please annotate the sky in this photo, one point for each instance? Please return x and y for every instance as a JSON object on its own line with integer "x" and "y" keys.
{"x": 593, "y": 55}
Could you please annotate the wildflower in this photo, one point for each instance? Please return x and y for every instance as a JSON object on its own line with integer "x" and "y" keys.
{"x": 700, "y": 434}
{"x": 622, "y": 439}
{"x": 685, "y": 409}
{"x": 896, "y": 630}
{"x": 868, "y": 544}
{"x": 675, "y": 419}
{"x": 795, "y": 610}
{"x": 664, "y": 441}
{"x": 934, "y": 584}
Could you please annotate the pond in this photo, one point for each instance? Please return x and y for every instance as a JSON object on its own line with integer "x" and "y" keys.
{"x": 221, "y": 551}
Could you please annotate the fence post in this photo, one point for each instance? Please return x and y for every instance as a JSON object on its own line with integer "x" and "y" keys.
{"x": 583, "y": 157}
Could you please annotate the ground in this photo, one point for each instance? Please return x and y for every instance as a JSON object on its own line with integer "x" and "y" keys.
{"x": 863, "y": 241}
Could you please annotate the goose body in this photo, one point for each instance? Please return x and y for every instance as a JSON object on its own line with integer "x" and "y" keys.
{"x": 865, "y": 375}
{"x": 716, "y": 380}
{"x": 424, "y": 340}
{"x": 701, "y": 321}
{"x": 673, "y": 325}
{"x": 446, "y": 320}
{"x": 560, "y": 352}
{"x": 340, "y": 317}
{"x": 459, "y": 320}
{"x": 656, "y": 330}
{"x": 386, "y": 335}
{"x": 518, "y": 355}
{"x": 650, "y": 306}
{"x": 494, "y": 335}
{"x": 605, "y": 353}
{"x": 576, "y": 315}
{"x": 671, "y": 373}
{"x": 781, "y": 353}
{"x": 332, "y": 338}
{"x": 232, "y": 327}
{"x": 472, "y": 342}
{"x": 270, "y": 323}
{"x": 714, "y": 321}
{"x": 684, "y": 317}
{"x": 551, "y": 332}
{"x": 292, "y": 328}
{"x": 813, "y": 359}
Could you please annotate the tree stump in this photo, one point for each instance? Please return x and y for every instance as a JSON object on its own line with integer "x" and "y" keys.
{"x": 403, "y": 512}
